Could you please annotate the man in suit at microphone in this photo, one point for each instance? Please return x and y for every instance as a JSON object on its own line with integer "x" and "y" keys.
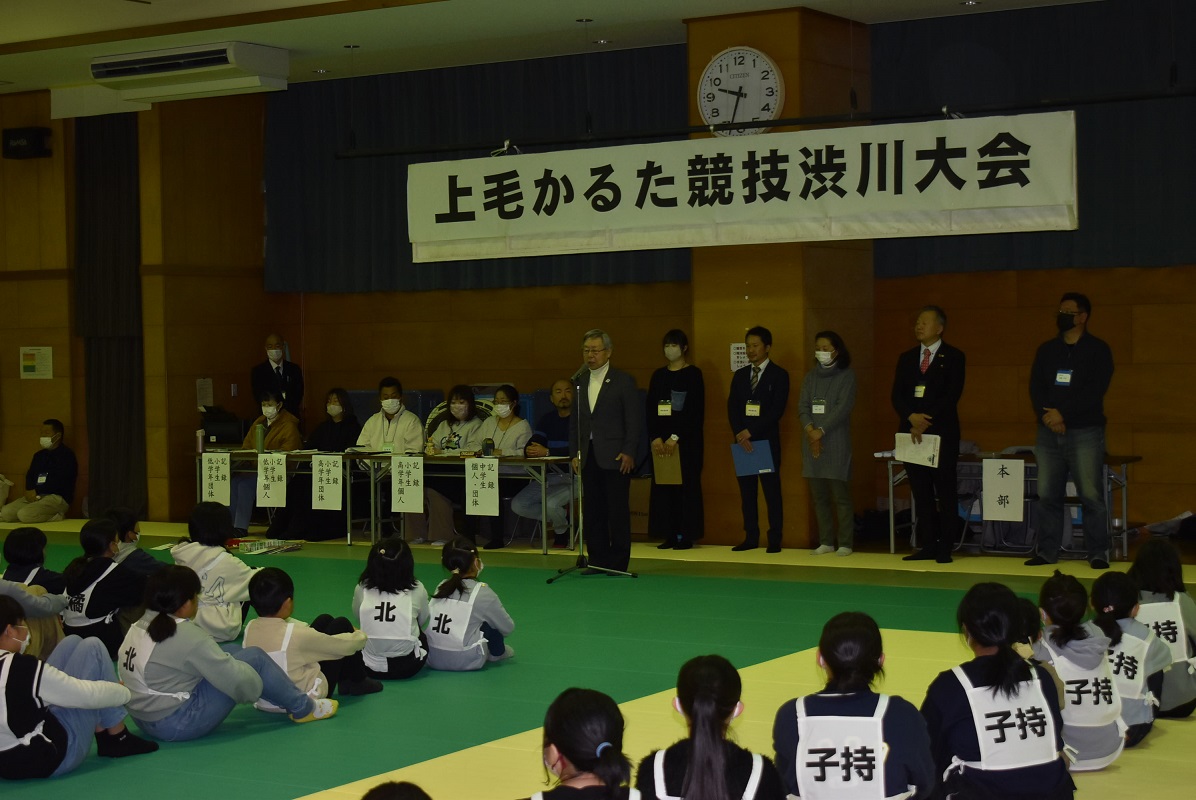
{"x": 605, "y": 436}
{"x": 926, "y": 392}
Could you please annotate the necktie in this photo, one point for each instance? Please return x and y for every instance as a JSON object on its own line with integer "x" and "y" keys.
{"x": 925, "y": 360}
{"x": 755, "y": 377}
{"x": 278, "y": 369}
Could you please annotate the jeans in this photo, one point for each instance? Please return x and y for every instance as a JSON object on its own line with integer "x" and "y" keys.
{"x": 242, "y": 498}
{"x": 527, "y": 502}
{"x": 1080, "y": 451}
{"x": 87, "y": 660}
{"x": 207, "y": 706}
{"x": 832, "y": 495}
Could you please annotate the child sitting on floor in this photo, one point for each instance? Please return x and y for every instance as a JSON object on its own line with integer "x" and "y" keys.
{"x": 319, "y": 658}
{"x": 223, "y": 576}
{"x": 469, "y": 622}
{"x": 392, "y": 607}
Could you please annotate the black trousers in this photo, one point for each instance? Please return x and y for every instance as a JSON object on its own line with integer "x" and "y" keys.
{"x": 349, "y": 668}
{"x": 936, "y": 495}
{"x": 403, "y": 666}
{"x": 606, "y": 499}
{"x": 770, "y": 482}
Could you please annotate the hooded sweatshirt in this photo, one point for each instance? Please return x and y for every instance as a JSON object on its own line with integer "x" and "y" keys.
{"x": 224, "y": 586}
{"x": 1088, "y": 654}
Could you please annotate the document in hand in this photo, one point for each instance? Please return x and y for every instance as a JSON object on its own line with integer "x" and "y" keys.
{"x": 667, "y": 469}
{"x": 757, "y": 462}
{"x": 926, "y": 453}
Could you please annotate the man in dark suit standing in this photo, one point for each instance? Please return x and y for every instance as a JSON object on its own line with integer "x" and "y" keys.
{"x": 926, "y": 392}
{"x": 759, "y": 393}
{"x": 605, "y": 437}
{"x": 280, "y": 376}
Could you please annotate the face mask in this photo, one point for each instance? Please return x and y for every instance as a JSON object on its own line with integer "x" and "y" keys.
{"x": 274, "y": 355}
{"x": 269, "y": 412}
{"x": 392, "y": 406}
{"x": 460, "y": 410}
{"x": 672, "y": 352}
{"x": 502, "y": 410}
{"x": 481, "y": 567}
{"x": 46, "y": 442}
{"x": 125, "y": 547}
{"x": 824, "y": 357}
{"x": 25, "y": 644}
{"x": 1065, "y": 322}
{"x": 333, "y": 410}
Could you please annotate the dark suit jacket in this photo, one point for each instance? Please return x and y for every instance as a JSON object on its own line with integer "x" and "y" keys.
{"x": 772, "y": 393}
{"x": 616, "y": 421}
{"x": 264, "y": 377}
{"x": 944, "y": 386}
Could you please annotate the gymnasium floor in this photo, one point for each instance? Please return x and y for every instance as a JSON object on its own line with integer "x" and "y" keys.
{"x": 476, "y": 735}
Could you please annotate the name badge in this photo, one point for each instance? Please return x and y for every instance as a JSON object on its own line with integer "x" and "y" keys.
{"x": 42, "y": 478}
{"x": 752, "y": 409}
{"x": 388, "y": 447}
{"x": 818, "y": 408}
{"x": 920, "y": 390}
{"x": 1063, "y": 377}
{"x": 664, "y": 409}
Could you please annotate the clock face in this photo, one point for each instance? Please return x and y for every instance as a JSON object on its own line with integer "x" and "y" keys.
{"x": 740, "y": 84}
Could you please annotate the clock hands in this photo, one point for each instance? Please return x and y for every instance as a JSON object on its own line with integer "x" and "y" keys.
{"x": 738, "y": 93}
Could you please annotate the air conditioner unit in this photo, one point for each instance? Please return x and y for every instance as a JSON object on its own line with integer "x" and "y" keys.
{"x": 182, "y": 73}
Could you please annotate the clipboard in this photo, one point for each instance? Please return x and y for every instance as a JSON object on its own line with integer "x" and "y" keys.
{"x": 757, "y": 462}
{"x": 666, "y": 470}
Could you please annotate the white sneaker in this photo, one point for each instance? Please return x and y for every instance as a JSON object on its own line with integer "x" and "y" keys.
{"x": 509, "y": 652}
{"x": 822, "y": 550}
{"x": 843, "y": 551}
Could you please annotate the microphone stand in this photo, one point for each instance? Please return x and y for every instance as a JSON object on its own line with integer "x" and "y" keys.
{"x": 583, "y": 562}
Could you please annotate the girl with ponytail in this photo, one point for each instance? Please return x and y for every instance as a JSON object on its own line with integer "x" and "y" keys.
{"x": 851, "y": 654}
{"x": 999, "y": 685}
{"x": 707, "y": 766}
{"x": 1167, "y": 607}
{"x": 583, "y": 748}
{"x": 183, "y": 684}
{"x": 469, "y": 624}
{"x": 1137, "y": 656}
{"x": 1092, "y": 725}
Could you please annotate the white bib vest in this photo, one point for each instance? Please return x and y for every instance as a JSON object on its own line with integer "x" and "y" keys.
{"x": 1127, "y": 659}
{"x": 450, "y": 621}
{"x": 279, "y": 657}
{"x": 749, "y": 791}
{"x": 1091, "y": 699}
{"x": 74, "y": 616}
{"x": 1167, "y": 622}
{"x": 385, "y": 616}
{"x": 133, "y": 658}
{"x": 842, "y": 757}
{"x": 632, "y": 794}
{"x": 1013, "y": 732}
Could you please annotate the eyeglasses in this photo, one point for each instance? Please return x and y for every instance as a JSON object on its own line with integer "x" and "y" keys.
{"x": 590, "y": 351}
{"x": 1070, "y": 313}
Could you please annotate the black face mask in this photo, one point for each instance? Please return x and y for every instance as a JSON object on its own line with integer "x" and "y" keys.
{"x": 1065, "y": 322}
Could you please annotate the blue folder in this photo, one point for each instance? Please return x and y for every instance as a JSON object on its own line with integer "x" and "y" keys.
{"x": 757, "y": 462}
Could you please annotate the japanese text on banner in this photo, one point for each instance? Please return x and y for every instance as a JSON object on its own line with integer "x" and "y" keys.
{"x": 1004, "y": 489}
{"x": 216, "y": 469}
{"x": 327, "y": 472}
{"x": 272, "y": 480}
{"x": 481, "y": 487}
{"x": 407, "y": 484}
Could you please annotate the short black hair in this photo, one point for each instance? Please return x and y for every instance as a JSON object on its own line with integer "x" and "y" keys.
{"x": 269, "y": 588}
{"x": 210, "y": 524}
{"x": 25, "y": 547}
{"x": 125, "y": 519}
{"x": 759, "y": 330}
{"x": 269, "y": 394}
{"x": 676, "y": 336}
{"x": 11, "y": 612}
{"x": 938, "y": 312}
{"x": 55, "y": 424}
{"x": 390, "y": 381}
{"x": 1082, "y": 302}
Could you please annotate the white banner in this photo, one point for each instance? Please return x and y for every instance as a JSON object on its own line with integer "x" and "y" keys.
{"x": 944, "y": 177}
{"x": 481, "y": 487}
{"x": 216, "y": 471}
{"x": 271, "y": 480}
{"x": 327, "y": 475}
{"x": 1004, "y": 489}
{"x": 407, "y": 484}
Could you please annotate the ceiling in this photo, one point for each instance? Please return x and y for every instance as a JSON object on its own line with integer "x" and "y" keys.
{"x": 50, "y": 43}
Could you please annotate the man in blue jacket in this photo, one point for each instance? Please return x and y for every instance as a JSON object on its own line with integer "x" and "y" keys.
{"x": 49, "y": 483}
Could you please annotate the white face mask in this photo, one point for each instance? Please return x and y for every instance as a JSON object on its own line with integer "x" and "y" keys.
{"x": 333, "y": 410}
{"x": 502, "y": 410}
{"x": 24, "y": 644}
{"x": 274, "y": 355}
{"x": 46, "y": 442}
{"x": 459, "y": 410}
{"x": 824, "y": 357}
{"x": 124, "y": 547}
{"x": 672, "y": 352}
{"x": 269, "y": 412}
{"x": 481, "y": 567}
{"x": 392, "y": 405}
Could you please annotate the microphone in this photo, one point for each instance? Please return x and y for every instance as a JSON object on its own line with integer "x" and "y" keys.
{"x": 577, "y": 375}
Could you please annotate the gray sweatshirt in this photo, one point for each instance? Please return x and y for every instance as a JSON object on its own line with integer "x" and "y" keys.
{"x": 36, "y": 606}
{"x": 487, "y": 608}
{"x": 180, "y": 663}
{"x": 1179, "y": 683}
{"x": 1087, "y": 654}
